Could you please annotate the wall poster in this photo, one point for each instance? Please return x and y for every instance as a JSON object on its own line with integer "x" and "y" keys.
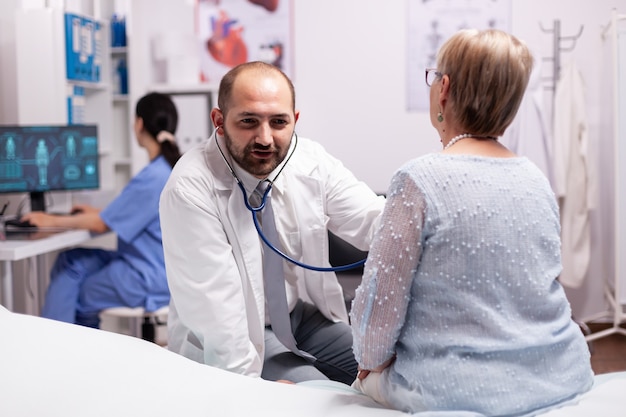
{"x": 432, "y": 22}
{"x": 232, "y": 32}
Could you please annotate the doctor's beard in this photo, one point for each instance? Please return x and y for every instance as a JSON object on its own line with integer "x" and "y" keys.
{"x": 260, "y": 168}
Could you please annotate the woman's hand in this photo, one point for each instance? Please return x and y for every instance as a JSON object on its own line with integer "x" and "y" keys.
{"x": 83, "y": 217}
{"x": 84, "y": 208}
{"x": 363, "y": 373}
{"x": 285, "y": 381}
{"x": 41, "y": 219}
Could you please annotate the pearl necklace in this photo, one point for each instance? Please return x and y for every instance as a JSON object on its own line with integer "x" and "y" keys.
{"x": 456, "y": 139}
{"x": 466, "y": 135}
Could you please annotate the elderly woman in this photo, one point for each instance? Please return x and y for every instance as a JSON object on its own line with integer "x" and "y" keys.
{"x": 460, "y": 309}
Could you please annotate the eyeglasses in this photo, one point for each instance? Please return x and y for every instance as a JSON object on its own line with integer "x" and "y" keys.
{"x": 431, "y": 75}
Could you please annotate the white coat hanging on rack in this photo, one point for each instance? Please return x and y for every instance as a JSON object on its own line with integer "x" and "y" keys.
{"x": 615, "y": 286}
{"x": 559, "y": 44}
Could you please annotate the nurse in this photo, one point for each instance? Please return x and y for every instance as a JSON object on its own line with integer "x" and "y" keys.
{"x": 85, "y": 281}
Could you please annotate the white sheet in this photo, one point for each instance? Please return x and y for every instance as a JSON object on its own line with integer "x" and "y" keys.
{"x": 49, "y": 368}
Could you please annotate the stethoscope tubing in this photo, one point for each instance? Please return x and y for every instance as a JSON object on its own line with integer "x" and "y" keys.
{"x": 255, "y": 210}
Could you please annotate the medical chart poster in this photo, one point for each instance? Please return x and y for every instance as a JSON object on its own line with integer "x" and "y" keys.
{"x": 431, "y": 23}
{"x": 232, "y": 32}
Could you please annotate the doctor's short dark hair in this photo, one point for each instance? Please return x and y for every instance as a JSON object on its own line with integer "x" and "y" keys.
{"x": 226, "y": 84}
{"x": 489, "y": 72}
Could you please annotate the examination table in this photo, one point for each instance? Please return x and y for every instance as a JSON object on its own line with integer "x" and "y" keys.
{"x": 49, "y": 368}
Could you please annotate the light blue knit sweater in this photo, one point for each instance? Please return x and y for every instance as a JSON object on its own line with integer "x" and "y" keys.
{"x": 461, "y": 285}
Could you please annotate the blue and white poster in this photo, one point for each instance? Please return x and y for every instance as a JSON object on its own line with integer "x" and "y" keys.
{"x": 431, "y": 23}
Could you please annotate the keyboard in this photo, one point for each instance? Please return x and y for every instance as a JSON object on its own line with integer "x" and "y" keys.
{"x": 17, "y": 224}
{"x": 64, "y": 213}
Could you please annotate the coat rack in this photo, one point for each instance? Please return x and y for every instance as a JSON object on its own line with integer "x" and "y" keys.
{"x": 613, "y": 291}
{"x": 559, "y": 44}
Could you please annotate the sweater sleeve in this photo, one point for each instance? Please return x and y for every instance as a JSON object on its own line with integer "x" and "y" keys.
{"x": 381, "y": 301}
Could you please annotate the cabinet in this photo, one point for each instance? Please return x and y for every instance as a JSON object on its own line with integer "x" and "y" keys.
{"x": 122, "y": 134}
{"x": 123, "y": 110}
{"x": 42, "y": 85}
{"x": 45, "y": 92}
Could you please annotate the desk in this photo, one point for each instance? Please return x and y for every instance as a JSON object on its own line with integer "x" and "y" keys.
{"x": 22, "y": 248}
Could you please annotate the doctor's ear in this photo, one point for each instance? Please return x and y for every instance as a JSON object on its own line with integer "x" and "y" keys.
{"x": 217, "y": 117}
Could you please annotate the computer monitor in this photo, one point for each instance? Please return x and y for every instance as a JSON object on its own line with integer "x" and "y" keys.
{"x": 36, "y": 159}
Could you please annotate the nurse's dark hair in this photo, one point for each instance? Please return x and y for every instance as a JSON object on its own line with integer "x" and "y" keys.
{"x": 226, "y": 84}
{"x": 159, "y": 114}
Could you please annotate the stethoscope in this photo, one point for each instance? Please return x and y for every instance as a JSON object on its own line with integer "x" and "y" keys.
{"x": 255, "y": 210}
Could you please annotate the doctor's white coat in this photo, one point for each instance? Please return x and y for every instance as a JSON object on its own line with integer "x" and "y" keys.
{"x": 213, "y": 254}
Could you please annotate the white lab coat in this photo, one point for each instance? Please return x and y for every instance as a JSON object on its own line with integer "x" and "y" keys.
{"x": 572, "y": 183}
{"x": 213, "y": 254}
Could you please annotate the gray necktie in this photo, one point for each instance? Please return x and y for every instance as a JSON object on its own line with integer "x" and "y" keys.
{"x": 273, "y": 275}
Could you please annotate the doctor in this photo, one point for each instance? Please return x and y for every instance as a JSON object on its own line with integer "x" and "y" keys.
{"x": 214, "y": 256}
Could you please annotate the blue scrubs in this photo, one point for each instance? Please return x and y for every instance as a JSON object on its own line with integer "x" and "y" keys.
{"x": 85, "y": 281}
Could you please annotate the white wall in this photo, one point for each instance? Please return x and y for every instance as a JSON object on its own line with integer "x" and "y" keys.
{"x": 8, "y": 94}
{"x": 350, "y": 82}
{"x": 8, "y": 77}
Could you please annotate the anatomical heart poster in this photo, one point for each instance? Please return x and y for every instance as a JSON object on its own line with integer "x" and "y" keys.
{"x": 232, "y": 32}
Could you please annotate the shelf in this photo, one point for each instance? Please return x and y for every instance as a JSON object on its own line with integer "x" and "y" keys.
{"x": 119, "y": 50}
{"x": 120, "y": 98}
{"x": 123, "y": 162}
{"x": 89, "y": 85}
{"x": 117, "y": 161}
{"x": 197, "y": 88}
